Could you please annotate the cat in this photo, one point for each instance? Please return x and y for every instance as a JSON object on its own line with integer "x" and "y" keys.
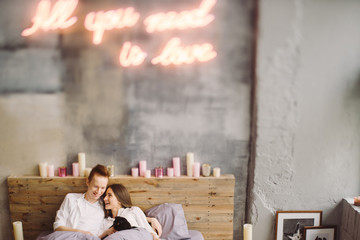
{"x": 319, "y": 238}
{"x": 295, "y": 236}
{"x": 121, "y": 223}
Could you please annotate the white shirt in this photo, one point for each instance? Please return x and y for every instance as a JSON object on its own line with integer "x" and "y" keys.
{"x": 135, "y": 216}
{"x": 76, "y": 212}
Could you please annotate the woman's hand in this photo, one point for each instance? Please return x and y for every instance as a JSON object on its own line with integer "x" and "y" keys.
{"x": 155, "y": 225}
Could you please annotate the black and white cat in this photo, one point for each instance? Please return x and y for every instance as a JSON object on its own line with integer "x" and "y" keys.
{"x": 296, "y": 235}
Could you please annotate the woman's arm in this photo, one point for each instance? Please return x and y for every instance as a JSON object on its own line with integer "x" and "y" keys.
{"x": 107, "y": 232}
{"x": 155, "y": 225}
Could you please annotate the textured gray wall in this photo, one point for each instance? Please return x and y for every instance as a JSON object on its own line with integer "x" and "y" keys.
{"x": 309, "y": 100}
{"x": 61, "y": 95}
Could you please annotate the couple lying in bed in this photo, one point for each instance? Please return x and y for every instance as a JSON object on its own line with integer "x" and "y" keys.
{"x": 85, "y": 212}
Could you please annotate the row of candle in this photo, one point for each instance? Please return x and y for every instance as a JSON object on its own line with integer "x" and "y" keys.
{"x": 192, "y": 169}
{"x": 79, "y": 169}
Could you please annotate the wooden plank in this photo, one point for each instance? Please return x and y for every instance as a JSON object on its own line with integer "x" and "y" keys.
{"x": 208, "y": 202}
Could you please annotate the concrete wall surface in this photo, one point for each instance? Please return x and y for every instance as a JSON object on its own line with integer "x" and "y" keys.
{"x": 60, "y": 94}
{"x": 308, "y": 155}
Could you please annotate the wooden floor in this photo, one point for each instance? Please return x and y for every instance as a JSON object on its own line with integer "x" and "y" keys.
{"x": 208, "y": 202}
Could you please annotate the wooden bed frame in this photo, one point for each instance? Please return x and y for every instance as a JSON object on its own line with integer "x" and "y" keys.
{"x": 208, "y": 202}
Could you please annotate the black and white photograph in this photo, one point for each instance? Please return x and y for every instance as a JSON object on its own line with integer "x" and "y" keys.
{"x": 320, "y": 233}
{"x": 290, "y": 224}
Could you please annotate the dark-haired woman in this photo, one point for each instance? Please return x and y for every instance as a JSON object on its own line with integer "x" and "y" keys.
{"x": 117, "y": 202}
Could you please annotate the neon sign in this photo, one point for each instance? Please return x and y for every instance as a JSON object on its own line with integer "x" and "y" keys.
{"x": 59, "y": 16}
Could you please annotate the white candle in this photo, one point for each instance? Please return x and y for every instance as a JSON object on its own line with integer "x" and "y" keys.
{"x": 189, "y": 164}
{"x": 216, "y": 172}
{"x": 196, "y": 169}
{"x": 87, "y": 172}
{"x": 147, "y": 174}
{"x": 170, "y": 172}
{"x": 75, "y": 169}
{"x": 18, "y": 230}
{"x": 247, "y": 232}
{"x": 135, "y": 172}
{"x": 176, "y": 166}
{"x": 206, "y": 169}
{"x": 142, "y": 167}
{"x": 50, "y": 170}
{"x": 82, "y": 164}
{"x": 43, "y": 169}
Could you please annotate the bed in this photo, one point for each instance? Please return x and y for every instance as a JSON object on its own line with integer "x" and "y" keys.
{"x": 207, "y": 202}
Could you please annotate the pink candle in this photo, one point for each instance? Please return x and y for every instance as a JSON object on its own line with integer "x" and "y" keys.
{"x": 176, "y": 166}
{"x": 170, "y": 172}
{"x": 142, "y": 167}
{"x": 135, "y": 172}
{"x": 75, "y": 169}
{"x": 50, "y": 170}
{"x": 62, "y": 171}
{"x": 196, "y": 169}
{"x": 159, "y": 172}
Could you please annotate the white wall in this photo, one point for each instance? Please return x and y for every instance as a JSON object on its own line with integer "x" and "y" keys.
{"x": 308, "y": 155}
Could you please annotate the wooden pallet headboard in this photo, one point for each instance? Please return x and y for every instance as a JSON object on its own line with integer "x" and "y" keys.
{"x": 208, "y": 202}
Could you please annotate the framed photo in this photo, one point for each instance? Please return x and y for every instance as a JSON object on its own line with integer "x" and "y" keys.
{"x": 290, "y": 224}
{"x": 320, "y": 233}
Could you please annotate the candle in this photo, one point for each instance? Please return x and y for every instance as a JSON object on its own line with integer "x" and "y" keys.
{"x": 62, "y": 171}
{"x": 135, "y": 172}
{"x": 111, "y": 170}
{"x": 206, "y": 170}
{"x": 216, "y": 172}
{"x": 142, "y": 167}
{"x": 196, "y": 169}
{"x": 247, "y": 232}
{"x": 189, "y": 164}
{"x": 87, "y": 172}
{"x": 159, "y": 172}
{"x": 176, "y": 166}
{"x": 75, "y": 169}
{"x": 18, "y": 230}
{"x": 50, "y": 170}
{"x": 43, "y": 169}
{"x": 147, "y": 174}
{"x": 170, "y": 172}
{"x": 82, "y": 164}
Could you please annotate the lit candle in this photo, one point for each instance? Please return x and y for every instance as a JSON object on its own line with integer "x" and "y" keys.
{"x": 147, "y": 174}
{"x": 159, "y": 172}
{"x": 142, "y": 167}
{"x": 75, "y": 169}
{"x": 18, "y": 230}
{"x": 189, "y": 164}
{"x": 135, "y": 172}
{"x": 176, "y": 166}
{"x": 43, "y": 169}
{"x": 170, "y": 172}
{"x": 82, "y": 164}
{"x": 50, "y": 170}
{"x": 62, "y": 171}
{"x": 247, "y": 232}
{"x": 216, "y": 172}
{"x": 87, "y": 171}
{"x": 196, "y": 169}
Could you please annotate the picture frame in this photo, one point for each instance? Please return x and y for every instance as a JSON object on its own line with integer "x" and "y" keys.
{"x": 320, "y": 233}
{"x": 290, "y": 224}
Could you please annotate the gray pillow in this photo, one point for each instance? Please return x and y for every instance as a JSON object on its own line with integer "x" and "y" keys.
{"x": 172, "y": 219}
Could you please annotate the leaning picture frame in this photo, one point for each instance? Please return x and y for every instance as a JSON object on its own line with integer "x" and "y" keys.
{"x": 320, "y": 233}
{"x": 290, "y": 224}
